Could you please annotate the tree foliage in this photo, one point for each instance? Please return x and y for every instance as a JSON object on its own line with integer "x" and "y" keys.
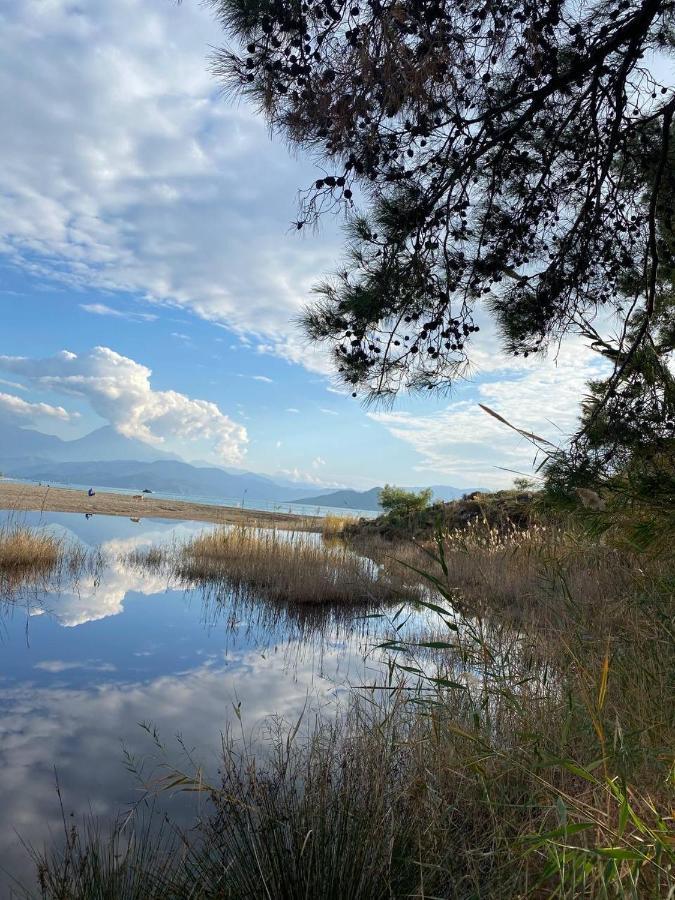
{"x": 401, "y": 502}
{"x": 493, "y": 146}
{"x": 628, "y": 420}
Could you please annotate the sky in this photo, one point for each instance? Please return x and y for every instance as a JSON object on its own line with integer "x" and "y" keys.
{"x": 150, "y": 276}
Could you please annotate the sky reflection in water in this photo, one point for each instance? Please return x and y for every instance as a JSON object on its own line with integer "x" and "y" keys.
{"x": 82, "y": 668}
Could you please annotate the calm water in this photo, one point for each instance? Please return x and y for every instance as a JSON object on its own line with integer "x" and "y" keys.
{"x": 82, "y": 666}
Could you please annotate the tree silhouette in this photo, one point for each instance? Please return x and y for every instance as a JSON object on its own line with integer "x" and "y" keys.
{"x": 493, "y": 148}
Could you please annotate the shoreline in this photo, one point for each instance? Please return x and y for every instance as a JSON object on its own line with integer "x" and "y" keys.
{"x": 21, "y": 497}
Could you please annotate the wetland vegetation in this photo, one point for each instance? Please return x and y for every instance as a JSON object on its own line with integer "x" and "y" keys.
{"x": 291, "y": 567}
{"x": 35, "y": 557}
{"x": 520, "y": 743}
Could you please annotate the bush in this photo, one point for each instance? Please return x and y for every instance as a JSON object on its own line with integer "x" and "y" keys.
{"x": 401, "y": 502}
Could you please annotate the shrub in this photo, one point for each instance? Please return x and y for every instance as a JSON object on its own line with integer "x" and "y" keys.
{"x": 401, "y": 502}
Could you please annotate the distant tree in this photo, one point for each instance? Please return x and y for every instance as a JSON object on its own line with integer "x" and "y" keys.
{"x": 493, "y": 147}
{"x": 523, "y": 484}
{"x": 401, "y": 502}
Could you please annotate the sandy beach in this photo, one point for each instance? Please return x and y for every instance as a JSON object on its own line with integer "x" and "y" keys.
{"x": 19, "y": 497}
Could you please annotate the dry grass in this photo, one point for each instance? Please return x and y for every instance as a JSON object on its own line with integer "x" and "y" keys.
{"x": 335, "y": 526}
{"x": 27, "y": 555}
{"x": 26, "y": 548}
{"x": 531, "y": 575}
{"x": 277, "y": 566}
{"x": 33, "y": 557}
{"x": 536, "y": 758}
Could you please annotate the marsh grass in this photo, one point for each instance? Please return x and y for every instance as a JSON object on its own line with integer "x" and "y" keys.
{"x": 22, "y": 549}
{"x": 277, "y": 566}
{"x": 546, "y": 578}
{"x": 35, "y": 557}
{"x": 333, "y": 526}
{"x": 135, "y": 863}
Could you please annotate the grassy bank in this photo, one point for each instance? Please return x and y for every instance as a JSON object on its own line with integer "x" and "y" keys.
{"x": 522, "y": 746}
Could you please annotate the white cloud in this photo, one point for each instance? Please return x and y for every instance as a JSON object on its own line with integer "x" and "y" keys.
{"x": 297, "y": 474}
{"x": 144, "y": 179}
{"x": 56, "y": 666}
{"x": 22, "y": 409}
{"x": 119, "y": 390}
{"x": 292, "y": 409}
{"x": 263, "y": 378}
{"x": 13, "y": 384}
{"x": 318, "y": 462}
{"x": 328, "y": 412}
{"x": 101, "y": 309}
{"x": 465, "y": 444}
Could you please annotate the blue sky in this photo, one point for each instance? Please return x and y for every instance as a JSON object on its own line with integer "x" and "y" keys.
{"x": 149, "y": 276}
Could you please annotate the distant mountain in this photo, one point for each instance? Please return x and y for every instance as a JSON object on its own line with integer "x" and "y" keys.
{"x": 278, "y": 480}
{"x": 103, "y": 444}
{"x": 348, "y": 499}
{"x": 108, "y": 444}
{"x": 106, "y": 458}
{"x": 19, "y": 443}
{"x": 446, "y": 492}
{"x": 165, "y": 476}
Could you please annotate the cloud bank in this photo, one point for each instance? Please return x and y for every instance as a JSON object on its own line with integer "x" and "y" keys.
{"x": 119, "y": 390}
{"x": 121, "y": 168}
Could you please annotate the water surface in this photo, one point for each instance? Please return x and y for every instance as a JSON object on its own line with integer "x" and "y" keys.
{"x": 84, "y": 664}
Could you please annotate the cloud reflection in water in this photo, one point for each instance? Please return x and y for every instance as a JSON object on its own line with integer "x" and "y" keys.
{"x": 125, "y": 646}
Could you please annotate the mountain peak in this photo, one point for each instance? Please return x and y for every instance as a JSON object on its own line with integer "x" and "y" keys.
{"x": 103, "y": 444}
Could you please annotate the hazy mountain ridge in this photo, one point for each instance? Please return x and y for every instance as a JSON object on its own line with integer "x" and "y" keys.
{"x": 106, "y": 458}
{"x": 167, "y": 476}
{"x": 103, "y": 445}
{"x": 350, "y": 499}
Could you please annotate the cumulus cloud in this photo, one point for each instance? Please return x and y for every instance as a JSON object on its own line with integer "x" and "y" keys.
{"x": 119, "y": 390}
{"x": 144, "y": 179}
{"x": 465, "y": 444}
{"x": 13, "y": 406}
